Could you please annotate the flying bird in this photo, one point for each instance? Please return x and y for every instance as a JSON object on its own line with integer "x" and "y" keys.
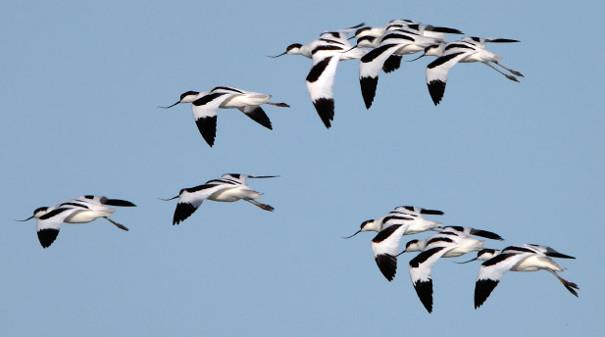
{"x": 325, "y": 52}
{"x": 228, "y": 188}
{"x": 80, "y": 210}
{"x": 467, "y": 50}
{"x": 528, "y": 257}
{"x": 411, "y": 216}
{"x": 206, "y": 104}
{"x": 403, "y": 220}
{"x": 452, "y": 241}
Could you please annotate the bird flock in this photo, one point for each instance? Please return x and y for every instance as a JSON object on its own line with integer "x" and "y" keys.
{"x": 378, "y": 49}
{"x": 451, "y": 241}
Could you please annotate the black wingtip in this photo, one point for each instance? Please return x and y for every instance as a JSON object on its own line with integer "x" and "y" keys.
{"x": 387, "y": 265}
{"x": 436, "y": 89}
{"x": 559, "y": 255}
{"x": 483, "y": 288}
{"x": 424, "y": 289}
{"x": 368, "y": 89}
{"x": 486, "y": 234}
{"x": 325, "y": 109}
{"x": 258, "y": 115}
{"x": 503, "y": 40}
{"x": 47, "y": 236}
{"x": 182, "y": 212}
{"x": 446, "y": 30}
{"x": 119, "y": 203}
{"x": 207, "y": 127}
{"x": 431, "y": 212}
{"x": 392, "y": 63}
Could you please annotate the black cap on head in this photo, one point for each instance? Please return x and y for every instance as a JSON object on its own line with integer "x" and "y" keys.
{"x": 362, "y": 29}
{"x": 40, "y": 209}
{"x": 294, "y": 45}
{"x": 190, "y": 92}
{"x": 430, "y": 47}
{"x": 364, "y": 223}
{"x": 486, "y": 251}
{"x": 411, "y": 242}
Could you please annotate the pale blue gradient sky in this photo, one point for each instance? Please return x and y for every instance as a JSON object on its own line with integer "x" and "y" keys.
{"x": 80, "y": 87}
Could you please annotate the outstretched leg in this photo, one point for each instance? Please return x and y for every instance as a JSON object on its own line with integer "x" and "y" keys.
{"x": 119, "y": 225}
{"x": 510, "y": 77}
{"x": 260, "y": 205}
{"x": 280, "y": 104}
{"x": 572, "y": 287}
{"x": 512, "y": 71}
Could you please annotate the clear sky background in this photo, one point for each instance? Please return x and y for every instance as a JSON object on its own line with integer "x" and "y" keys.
{"x": 80, "y": 84}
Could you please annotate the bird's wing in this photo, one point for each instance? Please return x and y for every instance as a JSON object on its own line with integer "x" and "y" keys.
{"x": 420, "y": 273}
{"x": 418, "y": 210}
{"x": 548, "y": 251}
{"x": 369, "y": 68}
{"x": 394, "y": 218}
{"x": 49, "y": 224}
{"x": 476, "y": 232}
{"x": 385, "y": 246}
{"x": 436, "y": 72}
{"x": 257, "y": 114}
{"x": 204, "y": 113}
{"x": 191, "y": 198}
{"x": 103, "y": 200}
{"x": 319, "y": 83}
{"x": 228, "y": 90}
{"x": 491, "y": 273}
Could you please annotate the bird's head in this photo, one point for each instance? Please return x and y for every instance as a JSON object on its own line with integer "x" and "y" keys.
{"x": 368, "y": 225}
{"x": 38, "y": 212}
{"x": 186, "y": 97}
{"x": 293, "y": 49}
{"x": 415, "y": 245}
{"x": 483, "y": 255}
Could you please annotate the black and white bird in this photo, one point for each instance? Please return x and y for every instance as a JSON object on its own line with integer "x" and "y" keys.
{"x": 389, "y": 44}
{"x": 387, "y": 57}
{"x": 370, "y": 36}
{"x": 228, "y": 188}
{"x": 452, "y": 241}
{"x": 528, "y": 257}
{"x": 469, "y": 49}
{"x": 411, "y": 216}
{"x": 325, "y": 53}
{"x": 206, "y": 104}
{"x": 81, "y": 210}
{"x": 403, "y": 220}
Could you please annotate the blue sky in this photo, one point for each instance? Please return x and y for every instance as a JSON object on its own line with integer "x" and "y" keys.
{"x": 80, "y": 87}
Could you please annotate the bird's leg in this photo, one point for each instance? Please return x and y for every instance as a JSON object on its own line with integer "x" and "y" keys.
{"x": 119, "y": 225}
{"x": 512, "y": 71}
{"x": 572, "y": 287}
{"x": 279, "y": 104}
{"x": 260, "y": 205}
{"x": 510, "y": 77}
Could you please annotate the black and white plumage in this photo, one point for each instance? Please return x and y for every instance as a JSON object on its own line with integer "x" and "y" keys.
{"x": 411, "y": 216}
{"x": 228, "y": 188}
{"x": 386, "y": 56}
{"x": 470, "y": 49}
{"x": 325, "y": 52}
{"x": 403, "y": 220}
{"x": 80, "y": 210}
{"x": 389, "y": 44}
{"x": 205, "y": 106}
{"x": 450, "y": 242}
{"x": 529, "y": 257}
